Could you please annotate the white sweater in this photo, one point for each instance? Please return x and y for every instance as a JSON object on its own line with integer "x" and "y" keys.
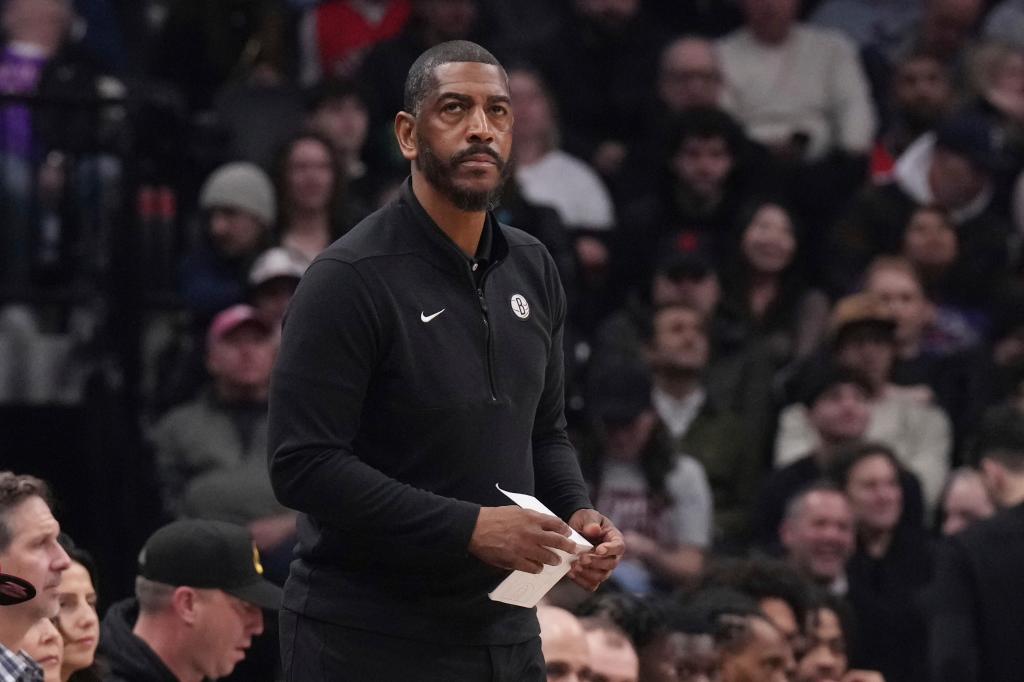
{"x": 812, "y": 83}
{"x": 920, "y": 434}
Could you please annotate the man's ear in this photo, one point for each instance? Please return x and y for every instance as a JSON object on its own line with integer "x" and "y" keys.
{"x": 405, "y": 133}
{"x": 184, "y": 602}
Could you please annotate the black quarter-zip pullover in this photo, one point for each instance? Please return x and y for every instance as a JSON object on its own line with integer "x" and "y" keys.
{"x": 405, "y": 389}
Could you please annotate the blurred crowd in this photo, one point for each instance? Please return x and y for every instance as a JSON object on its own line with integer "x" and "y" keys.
{"x": 790, "y": 234}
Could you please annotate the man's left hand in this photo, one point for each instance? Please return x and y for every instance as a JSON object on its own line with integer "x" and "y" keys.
{"x": 593, "y": 568}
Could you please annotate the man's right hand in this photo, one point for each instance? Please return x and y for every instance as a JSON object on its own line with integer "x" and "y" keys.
{"x": 518, "y": 539}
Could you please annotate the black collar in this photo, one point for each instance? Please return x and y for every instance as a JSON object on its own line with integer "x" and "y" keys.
{"x": 442, "y": 251}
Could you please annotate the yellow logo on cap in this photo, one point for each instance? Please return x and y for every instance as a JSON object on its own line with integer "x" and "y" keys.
{"x": 256, "y": 560}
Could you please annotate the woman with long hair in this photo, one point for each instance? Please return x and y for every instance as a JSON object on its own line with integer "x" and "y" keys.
{"x": 314, "y": 209}
{"x": 78, "y": 621}
{"x": 765, "y": 295}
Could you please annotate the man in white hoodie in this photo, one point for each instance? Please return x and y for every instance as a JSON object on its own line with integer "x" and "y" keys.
{"x": 952, "y": 168}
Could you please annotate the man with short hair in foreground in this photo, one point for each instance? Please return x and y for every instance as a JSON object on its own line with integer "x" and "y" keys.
{"x": 31, "y": 558}
{"x": 199, "y": 600}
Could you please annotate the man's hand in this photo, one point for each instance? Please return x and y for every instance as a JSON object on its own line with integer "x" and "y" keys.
{"x": 517, "y": 539}
{"x": 863, "y": 676}
{"x": 593, "y": 568}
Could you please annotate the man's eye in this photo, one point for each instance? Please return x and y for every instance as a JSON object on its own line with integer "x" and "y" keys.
{"x": 499, "y": 110}
{"x": 452, "y": 107}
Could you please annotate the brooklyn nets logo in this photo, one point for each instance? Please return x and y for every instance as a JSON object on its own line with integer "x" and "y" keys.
{"x": 520, "y": 307}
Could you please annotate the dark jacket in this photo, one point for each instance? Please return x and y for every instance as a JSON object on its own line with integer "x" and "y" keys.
{"x": 875, "y": 224}
{"x": 977, "y": 604}
{"x": 885, "y": 593}
{"x": 130, "y": 659}
{"x": 403, "y": 393}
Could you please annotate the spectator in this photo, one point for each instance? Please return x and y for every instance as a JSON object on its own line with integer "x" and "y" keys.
{"x": 602, "y": 68}
{"x": 335, "y": 36}
{"x": 34, "y": 34}
{"x": 688, "y": 75}
{"x": 965, "y": 501}
{"x": 892, "y": 565}
{"x": 78, "y": 622}
{"x": 272, "y": 281}
{"x": 44, "y": 645}
{"x": 30, "y": 551}
{"x": 548, "y": 176}
{"x": 688, "y": 78}
{"x": 931, "y": 245}
{"x": 198, "y": 604}
{"x": 679, "y": 351}
{"x": 797, "y": 89}
{"x": 751, "y": 649}
{"x": 37, "y": 59}
{"x": 564, "y": 645}
{"x": 678, "y": 278}
{"x": 780, "y": 592}
{"x": 315, "y": 210}
{"x": 612, "y": 656}
{"x": 920, "y": 96}
{"x": 817, "y": 533}
{"x": 238, "y": 207}
{"x": 211, "y": 452}
{"x": 862, "y": 334}
{"x": 952, "y": 168}
{"x": 704, "y": 177}
{"x": 656, "y": 495}
{"x": 679, "y": 648}
{"x": 976, "y": 611}
{"x": 337, "y": 110}
{"x": 938, "y": 358}
{"x": 824, "y": 655}
{"x": 836, "y": 406}
{"x": 766, "y": 296}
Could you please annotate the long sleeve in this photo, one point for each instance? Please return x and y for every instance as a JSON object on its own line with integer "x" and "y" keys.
{"x": 332, "y": 341}
{"x": 559, "y": 482}
{"x": 850, "y": 96}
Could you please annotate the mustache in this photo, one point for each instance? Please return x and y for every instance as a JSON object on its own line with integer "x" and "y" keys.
{"x": 473, "y": 150}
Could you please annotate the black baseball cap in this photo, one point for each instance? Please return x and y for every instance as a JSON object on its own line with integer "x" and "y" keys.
{"x": 14, "y": 590}
{"x": 208, "y": 555}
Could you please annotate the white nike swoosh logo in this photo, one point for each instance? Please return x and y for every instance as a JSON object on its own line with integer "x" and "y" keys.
{"x": 428, "y": 318}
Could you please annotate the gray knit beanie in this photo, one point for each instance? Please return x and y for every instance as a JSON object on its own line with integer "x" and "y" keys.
{"x": 243, "y": 186}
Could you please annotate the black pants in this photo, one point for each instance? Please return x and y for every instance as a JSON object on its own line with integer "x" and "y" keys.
{"x": 314, "y": 651}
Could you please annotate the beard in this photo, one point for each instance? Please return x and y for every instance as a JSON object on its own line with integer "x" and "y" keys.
{"x": 441, "y": 174}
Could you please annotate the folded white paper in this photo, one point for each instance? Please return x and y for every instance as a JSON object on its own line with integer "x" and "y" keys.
{"x": 526, "y": 589}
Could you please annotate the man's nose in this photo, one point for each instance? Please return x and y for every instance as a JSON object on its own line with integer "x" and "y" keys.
{"x": 256, "y": 625}
{"x": 479, "y": 129}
